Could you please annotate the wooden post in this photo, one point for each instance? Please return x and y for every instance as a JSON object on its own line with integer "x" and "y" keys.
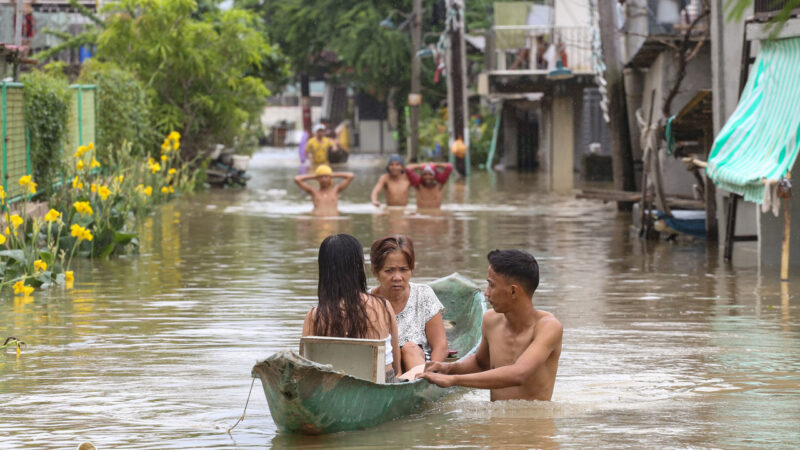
{"x": 786, "y": 196}
{"x": 621, "y": 156}
{"x": 787, "y": 229}
{"x": 710, "y": 192}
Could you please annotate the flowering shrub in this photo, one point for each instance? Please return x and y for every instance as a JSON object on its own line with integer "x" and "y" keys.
{"x": 95, "y": 214}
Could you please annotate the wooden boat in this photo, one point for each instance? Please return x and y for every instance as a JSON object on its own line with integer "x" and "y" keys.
{"x": 310, "y": 398}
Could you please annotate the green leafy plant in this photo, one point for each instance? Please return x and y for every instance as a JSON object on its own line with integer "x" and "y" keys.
{"x": 122, "y": 108}
{"x": 200, "y": 75}
{"x": 46, "y": 99}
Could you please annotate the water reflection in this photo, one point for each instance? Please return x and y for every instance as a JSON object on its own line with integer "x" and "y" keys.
{"x": 663, "y": 345}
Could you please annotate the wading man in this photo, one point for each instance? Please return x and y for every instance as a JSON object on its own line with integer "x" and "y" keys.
{"x": 395, "y": 182}
{"x": 429, "y": 183}
{"x": 518, "y": 354}
{"x": 326, "y": 197}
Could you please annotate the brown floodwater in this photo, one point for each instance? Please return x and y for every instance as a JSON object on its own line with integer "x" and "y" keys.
{"x": 664, "y": 344}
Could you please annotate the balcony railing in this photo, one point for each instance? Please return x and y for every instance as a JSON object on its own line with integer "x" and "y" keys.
{"x": 535, "y": 48}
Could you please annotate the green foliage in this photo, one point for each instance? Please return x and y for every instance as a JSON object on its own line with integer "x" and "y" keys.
{"x": 737, "y": 9}
{"x": 201, "y": 75}
{"x": 46, "y": 114}
{"x": 122, "y": 109}
{"x": 432, "y": 130}
{"x": 481, "y": 138}
{"x": 342, "y": 39}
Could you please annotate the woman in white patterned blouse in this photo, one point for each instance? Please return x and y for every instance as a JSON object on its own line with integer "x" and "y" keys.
{"x": 421, "y": 335}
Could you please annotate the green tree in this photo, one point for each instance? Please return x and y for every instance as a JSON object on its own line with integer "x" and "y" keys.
{"x": 122, "y": 105}
{"x": 202, "y": 75}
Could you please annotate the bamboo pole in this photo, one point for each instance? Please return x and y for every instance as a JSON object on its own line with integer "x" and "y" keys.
{"x": 787, "y": 229}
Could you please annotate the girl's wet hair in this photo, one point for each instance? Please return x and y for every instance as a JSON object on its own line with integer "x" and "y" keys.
{"x": 381, "y": 249}
{"x": 341, "y": 312}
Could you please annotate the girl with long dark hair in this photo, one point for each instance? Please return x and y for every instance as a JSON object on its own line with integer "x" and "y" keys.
{"x": 345, "y": 308}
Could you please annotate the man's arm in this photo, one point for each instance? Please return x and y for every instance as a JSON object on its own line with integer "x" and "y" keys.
{"x": 413, "y": 177}
{"x": 513, "y": 375}
{"x": 377, "y": 189}
{"x": 477, "y": 362}
{"x": 301, "y": 182}
{"x": 348, "y": 178}
{"x": 443, "y": 175}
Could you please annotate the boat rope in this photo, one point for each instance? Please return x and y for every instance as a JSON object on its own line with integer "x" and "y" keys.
{"x": 245, "y": 407}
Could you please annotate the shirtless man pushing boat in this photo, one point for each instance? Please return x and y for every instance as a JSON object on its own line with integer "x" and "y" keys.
{"x": 519, "y": 351}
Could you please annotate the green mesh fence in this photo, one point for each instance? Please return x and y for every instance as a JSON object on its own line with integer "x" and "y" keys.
{"x": 82, "y": 123}
{"x": 16, "y": 154}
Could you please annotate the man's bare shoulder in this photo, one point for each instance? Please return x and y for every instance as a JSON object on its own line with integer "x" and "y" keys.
{"x": 491, "y": 318}
{"x": 548, "y": 323}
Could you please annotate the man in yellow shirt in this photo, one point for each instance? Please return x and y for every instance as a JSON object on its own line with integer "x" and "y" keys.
{"x": 318, "y": 146}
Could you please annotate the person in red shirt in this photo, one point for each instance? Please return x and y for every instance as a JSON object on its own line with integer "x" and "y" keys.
{"x": 429, "y": 183}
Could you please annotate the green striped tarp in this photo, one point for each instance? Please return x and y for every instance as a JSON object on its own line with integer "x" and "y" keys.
{"x": 760, "y": 140}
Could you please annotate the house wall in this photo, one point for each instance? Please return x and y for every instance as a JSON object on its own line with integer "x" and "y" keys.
{"x": 659, "y": 78}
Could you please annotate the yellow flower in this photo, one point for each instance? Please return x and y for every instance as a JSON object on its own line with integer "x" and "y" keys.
{"x": 52, "y": 215}
{"x": 91, "y": 146}
{"x": 23, "y": 181}
{"x": 94, "y": 163}
{"x": 103, "y": 192}
{"x": 20, "y": 288}
{"x": 39, "y": 265}
{"x": 79, "y": 164}
{"x": 69, "y": 276}
{"x": 8, "y": 231}
{"x": 165, "y": 147}
{"x": 150, "y": 161}
{"x": 93, "y": 188}
{"x": 148, "y": 191}
{"x": 75, "y": 230}
{"x": 81, "y": 151}
{"x": 172, "y": 171}
{"x": 83, "y": 208}
{"x": 120, "y": 178}
{"x": 165, "y": 190}
{"x": 16, "y": 221}
{"x": 2, "y": 239}
{"x": 174, "y": 136}
{"x": 155, "y": 167}
{"x": 2, "y": 193}
{"x": 32, "y": 187}
{"x": 77, "y": 183}
{"x": 86, "y": 235}
{"x": 163, "y": 157}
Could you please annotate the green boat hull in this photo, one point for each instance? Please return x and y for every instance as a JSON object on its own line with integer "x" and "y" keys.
{"x": 310, "y": 398}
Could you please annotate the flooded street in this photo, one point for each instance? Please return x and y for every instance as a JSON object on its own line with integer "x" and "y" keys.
{"x": 664, "y": 344}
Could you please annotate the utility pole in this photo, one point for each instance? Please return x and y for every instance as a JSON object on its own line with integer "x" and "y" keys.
{"x": 457, "y": 81}
{"x": 305, "y": 102}
{"x": 415, "y": 96}
{"x": 18, "y": 25}
{"x": 621, "y": 156}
